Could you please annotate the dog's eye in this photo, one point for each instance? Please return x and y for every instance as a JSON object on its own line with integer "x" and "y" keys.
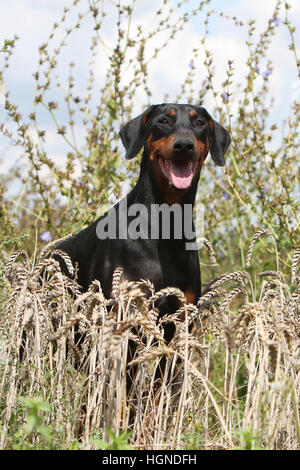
{"x": 164, "y": 121}
{"x": 199, "y": 123}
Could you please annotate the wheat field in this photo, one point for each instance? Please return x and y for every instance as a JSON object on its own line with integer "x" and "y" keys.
{"x": 231, "y": 381}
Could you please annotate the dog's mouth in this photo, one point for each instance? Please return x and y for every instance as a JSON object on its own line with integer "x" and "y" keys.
{"x": 180, "y": 173}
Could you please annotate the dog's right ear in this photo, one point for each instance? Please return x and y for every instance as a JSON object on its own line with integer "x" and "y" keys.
{"x": 133, "y": 133}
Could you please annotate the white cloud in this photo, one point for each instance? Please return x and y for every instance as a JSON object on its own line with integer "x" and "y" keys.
{"x": 262, "y": 10}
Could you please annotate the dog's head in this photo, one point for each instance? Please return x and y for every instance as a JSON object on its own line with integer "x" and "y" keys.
{"x": 177, "y": 139}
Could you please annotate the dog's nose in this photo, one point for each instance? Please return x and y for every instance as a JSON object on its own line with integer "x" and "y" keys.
{"x": 184, "y": 146}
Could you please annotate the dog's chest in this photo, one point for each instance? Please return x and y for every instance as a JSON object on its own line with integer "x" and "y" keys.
{"x": 164, "y": 268}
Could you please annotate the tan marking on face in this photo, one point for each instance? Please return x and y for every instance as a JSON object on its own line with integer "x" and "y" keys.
{"x": 201, "y": 149}
{"x": 171, "y": 112}
{"x": 164, "y": 147}
{"x": 193, "y": 114}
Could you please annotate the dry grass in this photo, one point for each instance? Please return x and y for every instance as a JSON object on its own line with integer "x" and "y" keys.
{"x": 239, "y": 372}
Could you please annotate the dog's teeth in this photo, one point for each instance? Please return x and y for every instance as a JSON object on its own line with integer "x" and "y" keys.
{"x": 190, "y": 164}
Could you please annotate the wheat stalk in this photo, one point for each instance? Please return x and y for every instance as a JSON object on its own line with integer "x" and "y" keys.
{"x": 254, "y": 239}
{"x": 51, "y": 245}
{"x": 211, "y": 251}
{"x": 295, "y": 261}
{"x": 81, "y": 345}
{"x": 229, "y": 297}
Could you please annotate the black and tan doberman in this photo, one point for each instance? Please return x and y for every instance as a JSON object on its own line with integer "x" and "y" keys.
{"x": 175, "y": 139}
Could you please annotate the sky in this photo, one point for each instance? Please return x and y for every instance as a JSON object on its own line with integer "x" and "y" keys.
{"x": 32, "y": 20}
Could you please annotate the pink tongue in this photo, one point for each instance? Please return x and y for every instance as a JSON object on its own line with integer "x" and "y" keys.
{"x": 181, "y": 174}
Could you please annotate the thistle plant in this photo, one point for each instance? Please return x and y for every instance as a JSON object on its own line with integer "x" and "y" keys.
{"x": 238, "y": 384}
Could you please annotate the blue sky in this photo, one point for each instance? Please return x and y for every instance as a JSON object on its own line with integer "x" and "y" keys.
{"x": 31, "y": 20}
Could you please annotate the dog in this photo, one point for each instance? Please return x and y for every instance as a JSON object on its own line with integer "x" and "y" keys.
{"x": 176, "y": 139}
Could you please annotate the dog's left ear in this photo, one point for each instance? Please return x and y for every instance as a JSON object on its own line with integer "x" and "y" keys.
{"x": 133, "y": 133}
{"x": 219, "y": 141}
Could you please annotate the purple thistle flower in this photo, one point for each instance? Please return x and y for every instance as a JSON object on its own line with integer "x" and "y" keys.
{"x": 225, "y": 96}
{"x": 258, "y": 70}
{"x": 225, "y": 195}
{"x": 46, "y": 237}
{"x": 266, "y": 73}
{"x": 80, "y": 182}
{"x": 191, "y": 64}
{"x": 276, "y": 20}
{"x": 265, "y": 189}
